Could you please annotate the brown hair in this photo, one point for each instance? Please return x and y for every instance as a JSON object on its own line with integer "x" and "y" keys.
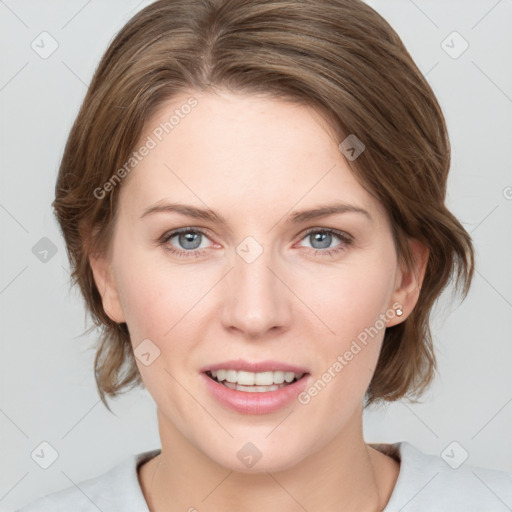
{"x": 337, "y": 56}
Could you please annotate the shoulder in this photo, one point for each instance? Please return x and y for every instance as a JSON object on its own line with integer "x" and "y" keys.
{"x": 117, "y": 489}
{"x": 446, "y": 482}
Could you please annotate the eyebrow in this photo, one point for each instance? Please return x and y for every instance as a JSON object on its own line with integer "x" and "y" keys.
{"x": 296, "y": 217}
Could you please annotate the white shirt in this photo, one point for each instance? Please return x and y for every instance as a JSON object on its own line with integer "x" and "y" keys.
{"x": 425, "y": 483}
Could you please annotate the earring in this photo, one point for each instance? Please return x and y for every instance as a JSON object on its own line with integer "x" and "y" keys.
{"x": 399, "y": 312}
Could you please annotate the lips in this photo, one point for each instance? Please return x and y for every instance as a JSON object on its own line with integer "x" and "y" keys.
{"x": 256, "y": 366}
{"x": 250, "y": 391}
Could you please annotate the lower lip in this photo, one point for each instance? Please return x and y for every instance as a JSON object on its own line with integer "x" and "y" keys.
{"x": 255, "y": 403}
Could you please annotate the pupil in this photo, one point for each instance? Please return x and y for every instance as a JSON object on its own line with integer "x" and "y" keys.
{"x": 189, "y": 238}
{"x": 321, "y": 237}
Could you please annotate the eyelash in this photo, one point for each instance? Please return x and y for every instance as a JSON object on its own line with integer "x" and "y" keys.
{"x": 344, "y": 237}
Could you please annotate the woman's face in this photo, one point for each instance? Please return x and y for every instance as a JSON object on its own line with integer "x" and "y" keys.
{"x": 255, "y": 287}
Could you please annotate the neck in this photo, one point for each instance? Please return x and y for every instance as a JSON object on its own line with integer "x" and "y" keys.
{"x": 344, "y": 475}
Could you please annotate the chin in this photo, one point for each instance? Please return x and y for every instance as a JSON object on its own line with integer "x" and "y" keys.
{"x": 258, "y": 456}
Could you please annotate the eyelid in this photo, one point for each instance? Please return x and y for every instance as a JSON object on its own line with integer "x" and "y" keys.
{"x": 338, "y": 232}
{"x": 171, "y": 233}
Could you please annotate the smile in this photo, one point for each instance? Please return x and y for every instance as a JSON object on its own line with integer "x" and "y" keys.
{"x": 251, "y": 382}
{"x": 249, "y": 392}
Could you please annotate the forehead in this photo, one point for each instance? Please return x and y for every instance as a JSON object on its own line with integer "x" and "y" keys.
{"x": 241, "y": 151}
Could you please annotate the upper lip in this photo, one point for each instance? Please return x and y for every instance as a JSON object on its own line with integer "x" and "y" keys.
{"x": 255, "y": 366}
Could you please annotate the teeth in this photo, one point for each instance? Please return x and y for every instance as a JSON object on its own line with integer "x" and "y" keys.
{"x": 253, "y": 389}
{"x": 231, "y": 375}
{"x": 266, "y": 379}
{"x": 289, "y": 376}
{"x": 245, "y": 378}
{"x": 278, "y": 377}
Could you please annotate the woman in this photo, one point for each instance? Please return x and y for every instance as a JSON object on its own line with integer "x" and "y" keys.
{"x": 253, "y": 202}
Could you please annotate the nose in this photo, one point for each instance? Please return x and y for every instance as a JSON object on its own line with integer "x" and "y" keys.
{"x": 256, "y": 299}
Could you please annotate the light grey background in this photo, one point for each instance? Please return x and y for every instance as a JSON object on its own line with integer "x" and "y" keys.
{"x": 47, "y": 386}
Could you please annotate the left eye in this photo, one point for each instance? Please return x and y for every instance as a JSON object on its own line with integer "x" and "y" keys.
{"x": 324, "y": 238}
{"x": 190, "y": 240}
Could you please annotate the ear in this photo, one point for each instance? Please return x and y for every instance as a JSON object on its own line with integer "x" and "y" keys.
{"x": 408, "y": 283}
{"x": 105, "y": 283}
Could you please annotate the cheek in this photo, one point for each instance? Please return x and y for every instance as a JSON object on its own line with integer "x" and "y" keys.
{"x": 155, "y": 310}
{"x": 357, "y": 295}
{"x": 144, "y": 291}
{"x": 161, "y": 303}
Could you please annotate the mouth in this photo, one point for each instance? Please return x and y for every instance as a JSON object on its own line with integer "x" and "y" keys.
{"x": 254, "y": 382}
{"x": 255, "y": 387}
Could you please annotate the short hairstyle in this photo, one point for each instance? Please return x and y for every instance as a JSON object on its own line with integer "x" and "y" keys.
{"x": 339, "y": 57}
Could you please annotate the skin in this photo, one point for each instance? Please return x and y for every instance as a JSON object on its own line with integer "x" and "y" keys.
{"x": 255, "y": 160}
